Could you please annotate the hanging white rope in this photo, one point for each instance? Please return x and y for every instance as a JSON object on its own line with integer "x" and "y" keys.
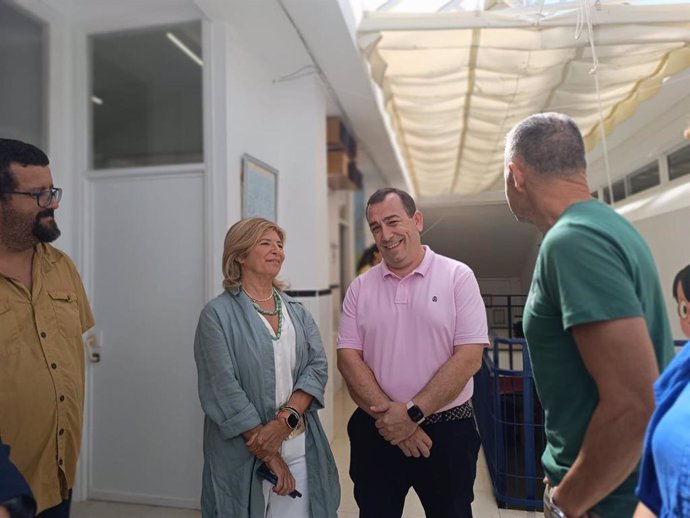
{"x": 604, "y": 146}
{"x": 584, "y": 19}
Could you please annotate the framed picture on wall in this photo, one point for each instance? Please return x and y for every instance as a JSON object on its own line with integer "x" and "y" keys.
{"x": 259, "y": 189}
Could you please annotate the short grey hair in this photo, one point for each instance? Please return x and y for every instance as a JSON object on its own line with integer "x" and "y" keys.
{"x": 548, "y": 143}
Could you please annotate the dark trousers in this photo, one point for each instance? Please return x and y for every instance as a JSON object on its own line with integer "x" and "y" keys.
{"x": 383, "y": 475}
{"x": 59, "y": 511}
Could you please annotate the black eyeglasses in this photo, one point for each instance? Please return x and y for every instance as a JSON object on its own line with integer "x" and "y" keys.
{"x": 43, "y": 198}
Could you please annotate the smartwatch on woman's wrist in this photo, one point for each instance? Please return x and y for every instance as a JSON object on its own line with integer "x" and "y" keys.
{"x": 290, "y": 416}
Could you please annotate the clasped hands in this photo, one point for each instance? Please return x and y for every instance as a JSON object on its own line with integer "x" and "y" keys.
{"x": 264, "y": 443}
{"x": 395, "y": 426}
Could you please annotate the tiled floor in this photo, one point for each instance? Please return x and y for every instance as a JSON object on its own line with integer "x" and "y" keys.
{"x": 484, "y": 505}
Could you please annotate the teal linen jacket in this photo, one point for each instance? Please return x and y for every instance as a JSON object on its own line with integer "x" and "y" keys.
{"x": 234, "y": 357}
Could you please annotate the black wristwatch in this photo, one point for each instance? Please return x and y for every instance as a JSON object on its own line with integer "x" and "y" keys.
{"x": 290, "y": 415}
{"x": 415, "y": 413}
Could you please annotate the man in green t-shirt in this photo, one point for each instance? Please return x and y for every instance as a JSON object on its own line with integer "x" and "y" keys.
{"x": 594, "y": 320}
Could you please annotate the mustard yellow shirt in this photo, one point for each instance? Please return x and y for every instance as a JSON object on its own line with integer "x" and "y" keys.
{"x": 42, "y": 373}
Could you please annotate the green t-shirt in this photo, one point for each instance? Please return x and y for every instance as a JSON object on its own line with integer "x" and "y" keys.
{"x": 592, "y": 266}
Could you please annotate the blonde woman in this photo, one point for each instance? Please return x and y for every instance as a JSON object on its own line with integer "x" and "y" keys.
{"x": 262, "y": 373}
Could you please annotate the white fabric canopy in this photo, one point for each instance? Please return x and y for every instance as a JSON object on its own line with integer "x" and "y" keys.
{"x": 455, "y": 82}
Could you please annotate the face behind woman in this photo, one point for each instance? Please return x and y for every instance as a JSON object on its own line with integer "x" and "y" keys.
{"x": 265, "y": 258}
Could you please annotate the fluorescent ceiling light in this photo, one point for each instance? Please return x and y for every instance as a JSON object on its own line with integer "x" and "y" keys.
{"x": 184, "y": 48}
{"x": 96, "y": 100}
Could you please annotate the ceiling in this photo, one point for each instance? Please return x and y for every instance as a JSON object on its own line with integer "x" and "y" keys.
{"x": 454, "y": 82}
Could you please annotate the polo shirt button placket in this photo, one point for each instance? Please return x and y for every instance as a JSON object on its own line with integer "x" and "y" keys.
{"x": 401, "y": 293}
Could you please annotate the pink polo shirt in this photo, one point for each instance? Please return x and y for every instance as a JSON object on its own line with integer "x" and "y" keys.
{"x": 407, "y": 328}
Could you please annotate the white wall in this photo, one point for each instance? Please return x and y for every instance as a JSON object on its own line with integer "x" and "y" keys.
{"x": 281, "y": 123}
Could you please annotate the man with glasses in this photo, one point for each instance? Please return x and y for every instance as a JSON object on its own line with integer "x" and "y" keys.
{"x": 43, "y": 313}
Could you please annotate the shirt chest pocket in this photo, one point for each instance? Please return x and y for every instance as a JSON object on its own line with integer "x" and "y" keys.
{"x": 66, "y": 313}
{"x": 9, "y": 330}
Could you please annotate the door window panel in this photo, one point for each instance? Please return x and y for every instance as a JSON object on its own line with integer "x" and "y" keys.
{"x": 146, "y": 97}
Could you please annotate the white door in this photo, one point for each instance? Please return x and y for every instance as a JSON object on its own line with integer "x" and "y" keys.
{"x": 147, "y": 249}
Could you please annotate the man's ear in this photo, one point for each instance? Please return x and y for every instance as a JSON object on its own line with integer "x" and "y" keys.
{"x": 517, "y": 176}
{"x": 418, "y": 219}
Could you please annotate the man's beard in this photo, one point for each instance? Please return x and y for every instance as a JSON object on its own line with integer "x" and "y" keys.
{"x": 45, "y": 232}
{"x": 18, "y": 232}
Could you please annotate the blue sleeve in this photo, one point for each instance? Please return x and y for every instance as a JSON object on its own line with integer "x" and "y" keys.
{"x": 12, "y": 484}
{"x": 667, "y": 389}
{"x": 648, "y": 486}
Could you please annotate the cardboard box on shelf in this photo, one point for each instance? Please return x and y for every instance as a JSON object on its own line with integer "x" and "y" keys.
{"x": 337, "y": 137}
{"x": 338, "y": 162}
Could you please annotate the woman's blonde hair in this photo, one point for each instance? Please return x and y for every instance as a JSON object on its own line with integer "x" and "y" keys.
{"x": 242, "y": 236}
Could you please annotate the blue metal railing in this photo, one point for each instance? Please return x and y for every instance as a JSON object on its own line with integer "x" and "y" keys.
{"x": 511, "y": 424}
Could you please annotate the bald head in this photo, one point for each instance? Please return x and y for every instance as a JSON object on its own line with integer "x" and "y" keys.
{"x": 549, "y": 144}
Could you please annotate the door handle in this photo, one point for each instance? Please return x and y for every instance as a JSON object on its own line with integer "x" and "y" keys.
{"x": 92, "y": 343}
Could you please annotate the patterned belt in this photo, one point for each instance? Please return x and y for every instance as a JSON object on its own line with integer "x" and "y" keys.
{"x": 456, "y": 413}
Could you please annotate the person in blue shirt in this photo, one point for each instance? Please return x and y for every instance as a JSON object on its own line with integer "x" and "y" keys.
{"x": 664, "y": 485}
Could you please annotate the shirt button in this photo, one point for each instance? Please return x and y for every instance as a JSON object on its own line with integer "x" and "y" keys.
{"x": 43, "y": 334}
{"x": 53, "y": 366}
{"x": 61, "y": 432}
{"x": 62, "y": 398}
{"x": 60, "y": 462}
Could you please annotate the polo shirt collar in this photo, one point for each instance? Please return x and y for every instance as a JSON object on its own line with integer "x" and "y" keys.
{"x": 422, "y": 268}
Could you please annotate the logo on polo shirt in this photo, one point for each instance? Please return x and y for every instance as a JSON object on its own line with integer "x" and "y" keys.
{"x": 434, "y": 298}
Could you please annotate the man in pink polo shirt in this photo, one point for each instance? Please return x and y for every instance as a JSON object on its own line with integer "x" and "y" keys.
{"x": 411, "y": 337}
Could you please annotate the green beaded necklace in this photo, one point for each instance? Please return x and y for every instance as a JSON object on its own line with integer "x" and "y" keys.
{"x": 277, "y": 312}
